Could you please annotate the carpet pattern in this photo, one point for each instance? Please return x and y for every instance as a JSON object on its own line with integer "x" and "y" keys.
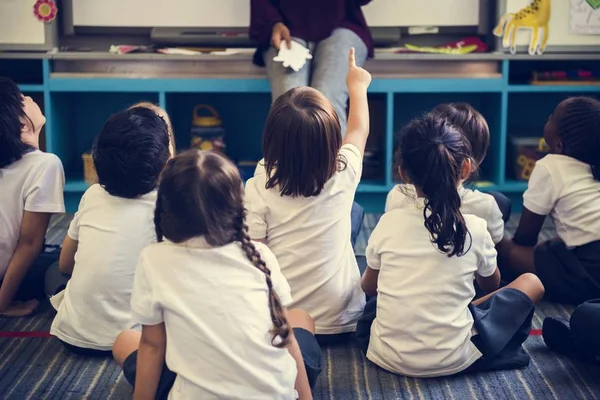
{"x": 36, "y": 366}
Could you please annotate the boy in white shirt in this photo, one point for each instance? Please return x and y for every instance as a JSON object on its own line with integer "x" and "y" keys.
{"x": 300, "y": 204}
{"x": 31, "y": 190}
{"x": 494, "y": 207}
{"x": 566, "y": 185}
{"x": 113, "y": 224}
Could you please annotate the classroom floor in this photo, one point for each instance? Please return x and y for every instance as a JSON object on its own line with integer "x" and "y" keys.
{"x": 35, "y": 366}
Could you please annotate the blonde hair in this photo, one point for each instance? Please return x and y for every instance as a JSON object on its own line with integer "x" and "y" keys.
{"x": 161, "y": 112}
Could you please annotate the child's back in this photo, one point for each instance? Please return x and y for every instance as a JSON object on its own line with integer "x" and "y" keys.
{"x": 111, "y": 231}
{"x": 423, "y": 325}
{"x": 113, "y": 224}
{"x": 311, "y": 238}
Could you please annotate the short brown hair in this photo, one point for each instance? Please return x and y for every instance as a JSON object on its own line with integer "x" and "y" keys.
{"x": 472, "y": 124}
{"x": 301, "y": 143}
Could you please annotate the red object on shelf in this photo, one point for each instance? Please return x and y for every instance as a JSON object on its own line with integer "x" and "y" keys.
{"x": 45, "y": 10}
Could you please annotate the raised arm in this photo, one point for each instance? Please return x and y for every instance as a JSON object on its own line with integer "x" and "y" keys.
{"x": 358, "y": 82}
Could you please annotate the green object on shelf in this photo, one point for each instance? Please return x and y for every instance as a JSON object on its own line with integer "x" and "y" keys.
{"x": 595, "y": 4}
{"x": 440, "y": 50}
{"x": 482, "y": 184}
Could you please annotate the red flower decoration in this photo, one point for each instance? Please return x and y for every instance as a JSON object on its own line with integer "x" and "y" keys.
{"x": 45, "y": 10}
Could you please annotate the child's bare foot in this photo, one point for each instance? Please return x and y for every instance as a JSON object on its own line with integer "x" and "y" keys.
{"x": 21, "y": 309}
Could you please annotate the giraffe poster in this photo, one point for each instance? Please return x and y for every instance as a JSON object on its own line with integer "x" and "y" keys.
{"x": 585, "y": 17}
{"x": 535, "y": 17}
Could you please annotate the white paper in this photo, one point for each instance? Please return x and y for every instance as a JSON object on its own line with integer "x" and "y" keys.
{"x": 584, "y": 20}
{"x": 294, "y": 58}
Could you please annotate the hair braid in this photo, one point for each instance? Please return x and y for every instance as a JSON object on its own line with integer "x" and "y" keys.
{"x": 157, "y": 219}
{"x": 281, "y": 328}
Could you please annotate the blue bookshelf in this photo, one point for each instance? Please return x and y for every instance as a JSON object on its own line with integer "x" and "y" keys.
{"x": 76, "y": 106}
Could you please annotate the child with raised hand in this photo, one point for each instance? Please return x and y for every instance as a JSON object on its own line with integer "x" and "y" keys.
{"x": 421, "y": 261}
{"x": 31, "y": 190}
{"x": 566, "y": 185}
{"x": 493, "y": 208}
{"x": 300, "y": 204}
{"x": 113, "y": 224}
{"x": 211, "y": 302}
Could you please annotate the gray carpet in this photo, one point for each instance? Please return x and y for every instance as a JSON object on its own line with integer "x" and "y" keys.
{"x": 39, "y": 368}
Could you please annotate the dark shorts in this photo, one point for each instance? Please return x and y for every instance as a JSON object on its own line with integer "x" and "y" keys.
{"x": 81, "y": 351}
{"x": 32, "y": 286}
{"x": 311, "y": 353}
{"x": 569, "y": 275}
{"x": 503, "y": 322}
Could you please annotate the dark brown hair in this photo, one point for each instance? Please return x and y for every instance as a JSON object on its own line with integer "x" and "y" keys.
{"x": 432, "y": 152}
{"x": 200, "y": 193}
{"x": 472, "y": 124}
{"x": 301, "y": 143}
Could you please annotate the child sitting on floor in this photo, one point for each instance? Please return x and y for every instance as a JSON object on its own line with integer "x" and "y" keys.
{"x": 300, "y": 204}
{"x": 421, "y": 260}
{"x": 31, "y": 190}
{"x": 486, "y": 206}
{"x": 212, "y": 303}
{"x": 566, "y": 185}
{"x": 113, "y": 224}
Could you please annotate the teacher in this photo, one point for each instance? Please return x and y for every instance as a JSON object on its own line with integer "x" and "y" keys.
{"x": 328, "y": 28}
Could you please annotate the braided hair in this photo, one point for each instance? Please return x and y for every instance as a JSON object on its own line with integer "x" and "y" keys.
{"x": 578, "y": 126}
{"x": 200, "y": 193}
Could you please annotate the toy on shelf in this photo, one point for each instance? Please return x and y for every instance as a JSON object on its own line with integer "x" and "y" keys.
{"x": 207, "y": 131}
{"x": 527, "y": 151}
{"x": 569, "y": 77}
{"x": 534, "y": 17}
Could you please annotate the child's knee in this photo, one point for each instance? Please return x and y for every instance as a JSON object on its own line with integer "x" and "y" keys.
{"x": 126, "y": 343}
{"x": 298, "y": 318}
{"x": 532, "y": 286}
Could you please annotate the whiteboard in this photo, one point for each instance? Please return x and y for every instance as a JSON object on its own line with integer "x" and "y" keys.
{"x": 18, "y": 25}
{"x": 236, "y": 13}
{"x": 560, "y": 34}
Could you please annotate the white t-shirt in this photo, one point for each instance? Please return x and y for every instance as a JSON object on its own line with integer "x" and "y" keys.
{"x": 423, "y": 326}
{"x": 565, "y": 188}
{"x": 215, "y": 306}
{"x": 112, "y": 231}
{"x": 310, "y": 236}
{"x": 34, "y": 183}
{"x": 473, "y": 202}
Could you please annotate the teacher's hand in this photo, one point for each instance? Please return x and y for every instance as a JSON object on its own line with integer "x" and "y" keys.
{"x": 281, "y": 33}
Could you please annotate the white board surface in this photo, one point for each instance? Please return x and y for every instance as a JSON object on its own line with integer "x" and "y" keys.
{"x": 559, "y": 28}
{"x": 18, "y": 25}
{"x": 236, "y": 13}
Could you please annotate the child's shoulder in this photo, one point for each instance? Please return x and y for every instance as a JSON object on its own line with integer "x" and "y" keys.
{"x": 41, "y": 160}
{"x": 400, "y": 196}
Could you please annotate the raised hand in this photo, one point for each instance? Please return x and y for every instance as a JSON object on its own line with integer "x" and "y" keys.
{"x": 358, "y": 78}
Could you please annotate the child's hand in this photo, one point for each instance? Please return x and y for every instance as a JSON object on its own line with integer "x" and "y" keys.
{"x": 21, "y": 309}
{"x": 358, "y": 78}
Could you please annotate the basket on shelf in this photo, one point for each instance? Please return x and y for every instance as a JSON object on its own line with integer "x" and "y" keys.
{"x": 89, "y": 172}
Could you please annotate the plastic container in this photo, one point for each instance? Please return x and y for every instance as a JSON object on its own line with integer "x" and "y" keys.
{"x": 526, "y": 151}
{"x": 89, "y": 171}
{"x": 207, "y": 131}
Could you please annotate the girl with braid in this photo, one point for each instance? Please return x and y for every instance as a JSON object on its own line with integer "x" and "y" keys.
{"x": 566, "y": 185}
{"x": 212, "y": 303}
{"x": 421, "y": 261}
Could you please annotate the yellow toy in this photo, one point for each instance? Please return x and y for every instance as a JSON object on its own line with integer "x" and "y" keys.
{"x": 535, "y": 17}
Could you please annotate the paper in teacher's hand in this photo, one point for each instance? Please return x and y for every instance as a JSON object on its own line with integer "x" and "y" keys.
{"x": 293, "y": 58}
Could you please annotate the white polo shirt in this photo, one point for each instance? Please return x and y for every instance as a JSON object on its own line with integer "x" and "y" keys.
{"x": 112, "y": 231}
{"x": 34, "y": 183}
{"x": 215, "y": 306}
{"x": 473, "y": 202}
{"x": 310, "y": 236}
{"x": 566, "y": 189}
{"x": 423, "y": 326}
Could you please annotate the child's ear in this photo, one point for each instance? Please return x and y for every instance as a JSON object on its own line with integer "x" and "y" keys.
{"x": 467, "y": 168}
{"x": 558, "y": 147}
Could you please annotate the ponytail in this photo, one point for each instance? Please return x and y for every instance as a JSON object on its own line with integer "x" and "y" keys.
{"x": 431, "y": 154}
{"x": 443, "y": 218}
{"x": 281, "y": 327}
